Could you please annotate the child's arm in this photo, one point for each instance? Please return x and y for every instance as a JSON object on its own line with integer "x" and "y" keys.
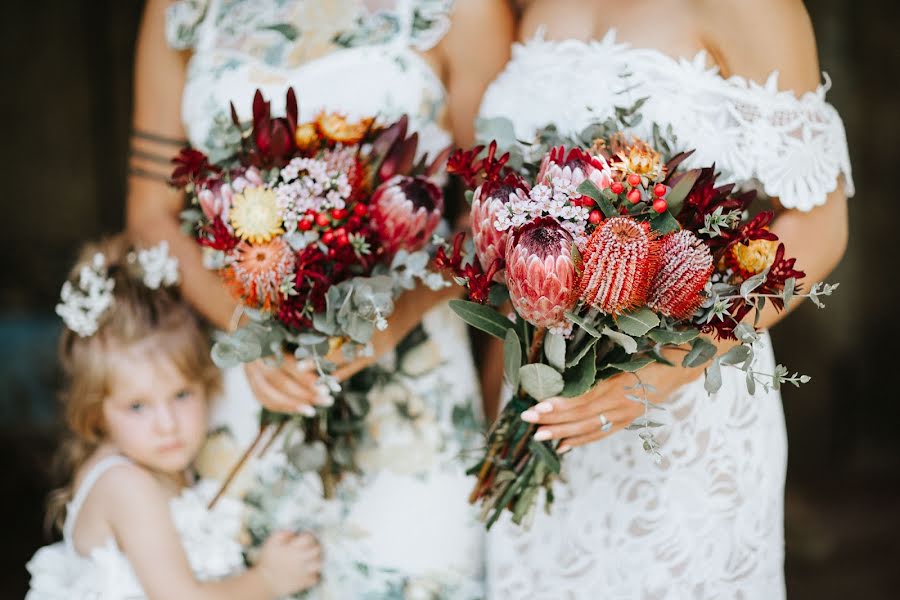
{"x": 138, "y": 513}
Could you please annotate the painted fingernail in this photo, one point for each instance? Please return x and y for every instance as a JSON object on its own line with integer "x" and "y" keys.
{"x": 530, "y": 416}
{"x": 542, "y": 435}
{"x": 324, "y": 400}
{"x": 306, "y": 410}
{"x": 544, "y": 407}
{"x": 563, "y": 449}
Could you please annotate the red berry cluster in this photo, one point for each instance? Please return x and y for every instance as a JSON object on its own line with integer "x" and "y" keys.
{"x": 634, "y": 194}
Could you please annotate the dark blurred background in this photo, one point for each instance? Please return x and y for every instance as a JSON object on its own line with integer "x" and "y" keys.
{"x": 66, "y": 94}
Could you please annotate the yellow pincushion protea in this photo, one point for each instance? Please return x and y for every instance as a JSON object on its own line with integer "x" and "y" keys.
{"x": 752, "y": 258}
{"x": 255, "y": 216}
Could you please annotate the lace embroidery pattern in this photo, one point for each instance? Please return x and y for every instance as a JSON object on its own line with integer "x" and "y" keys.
{"x": 793, "y": 147}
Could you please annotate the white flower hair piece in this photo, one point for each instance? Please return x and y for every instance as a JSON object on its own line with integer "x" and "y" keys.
{"x": 82, "y": 307}
{"x": 157, "y": 266}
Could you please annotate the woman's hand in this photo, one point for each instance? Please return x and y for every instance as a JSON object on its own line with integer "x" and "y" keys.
{"x": 604, "y": 409}
{"x": 291, "y": 387}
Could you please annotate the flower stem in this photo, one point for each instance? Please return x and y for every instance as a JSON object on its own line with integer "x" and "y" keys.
{"x": 239, "y": 465}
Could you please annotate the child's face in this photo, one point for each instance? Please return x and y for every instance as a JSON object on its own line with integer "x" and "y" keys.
{"x": 153, "y": 414}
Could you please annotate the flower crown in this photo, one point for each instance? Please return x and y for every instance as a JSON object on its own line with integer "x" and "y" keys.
{"x": 83, "y": 305}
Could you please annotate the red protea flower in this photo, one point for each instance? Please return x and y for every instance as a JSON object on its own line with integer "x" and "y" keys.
{"x": 405, "y": 212}
{"x": 685, "y": 267}
{"x": 575, "y": 165}
{"x": 489, "y": 199}
{"x": 540, "y": 272}
{"x": 620, "y": 260}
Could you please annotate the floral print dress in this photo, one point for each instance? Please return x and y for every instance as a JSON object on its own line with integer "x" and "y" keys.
{"x": 402, "y": 529}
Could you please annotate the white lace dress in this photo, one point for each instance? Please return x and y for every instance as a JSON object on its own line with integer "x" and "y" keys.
{"x": 707, "y": 523}
{"x": 210, "y": 540}
{"x": 406, "y": 520}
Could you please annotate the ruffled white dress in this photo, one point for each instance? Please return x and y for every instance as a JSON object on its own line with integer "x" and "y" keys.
{"x": 210, "y": 540}
{"x": 706, "y": 523}
{"x": 406, "y": 519}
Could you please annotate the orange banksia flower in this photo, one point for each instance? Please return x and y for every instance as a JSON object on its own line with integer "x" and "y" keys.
{"x": 684, "y": 270}
{"x": 620, "y": 260}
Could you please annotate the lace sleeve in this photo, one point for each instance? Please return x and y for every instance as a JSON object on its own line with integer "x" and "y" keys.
{"x": 794, "y": 148}
{"x": 430, "y": 22}
{"x": 183, "y": 19}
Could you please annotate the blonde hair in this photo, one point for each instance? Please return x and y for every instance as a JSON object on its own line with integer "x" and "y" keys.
{"x": 137, "y": 314}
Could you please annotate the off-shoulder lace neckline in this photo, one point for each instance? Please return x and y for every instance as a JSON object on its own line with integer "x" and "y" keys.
{"x": 698, "y": 64}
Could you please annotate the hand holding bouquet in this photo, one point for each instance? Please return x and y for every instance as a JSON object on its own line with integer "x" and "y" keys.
{"x": 316, "y": 227}
{"x": 608, "y": 253}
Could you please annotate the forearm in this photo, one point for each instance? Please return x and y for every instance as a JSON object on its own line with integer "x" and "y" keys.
{"x": 249, "y": 585}
{"x": 817, "y": 239}
{"x": 201, "y": 287}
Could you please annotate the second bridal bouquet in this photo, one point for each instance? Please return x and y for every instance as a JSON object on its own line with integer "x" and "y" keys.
{"x": 316, "y": 227}
{"x": 607, "y": 252}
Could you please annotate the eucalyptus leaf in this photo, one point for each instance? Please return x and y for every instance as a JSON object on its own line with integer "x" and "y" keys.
{"x": 307, "y": 457}
{"x": 789, "y": 286}
{"x": 751, "y": 383}
{"x": 587, "y": 326}
{"x": 512, "y": 358}
{"x": 541, "y": 381}
{"x": 752, "y": 283}
{"x": 582, "y": 376}
{"x": 736, "y": 355}
{"x": 677, "y": 338}
{"x": 702, "y": 351}
{"x": 637, "y": 323}
{"x": 713, "y": 377}
{"x": 496, "y": 129}
{"x": 633, "y": 365}
{"x": 627, "y": 342}
{"x": 592, "y": 342}
{"x": 745, "y": 333}
{"x": 287, "y": 30}
{"x": 555, "y": 351}
{"x": 482, "y": 317}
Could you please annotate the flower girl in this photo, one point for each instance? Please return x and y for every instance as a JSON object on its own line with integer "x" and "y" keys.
{"x": 138, "y": 379}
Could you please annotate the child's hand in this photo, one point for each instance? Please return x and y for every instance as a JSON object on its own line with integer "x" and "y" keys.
{"x": 289, "y": 562}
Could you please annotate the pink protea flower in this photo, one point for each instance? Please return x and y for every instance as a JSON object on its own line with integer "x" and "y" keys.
{"x": 215, "y": 200}
{"x": 573, "y": 168}
{"x": 488, "y": 201}
{"x": 405, "y": 212}
{"x": 540, "y": 272}
{"x": 685, "y": 267}
{"x": 620, "y": 260}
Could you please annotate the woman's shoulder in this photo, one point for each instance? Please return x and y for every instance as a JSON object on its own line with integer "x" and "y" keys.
{"x": 755, "y": 39}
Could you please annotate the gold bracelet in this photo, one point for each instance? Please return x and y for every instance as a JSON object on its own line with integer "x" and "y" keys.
{"x": 235, "y": 319}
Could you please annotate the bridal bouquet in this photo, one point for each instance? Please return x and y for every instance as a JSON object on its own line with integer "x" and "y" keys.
{"x": 608, "y": 252}
{"x": 316, "y": 227}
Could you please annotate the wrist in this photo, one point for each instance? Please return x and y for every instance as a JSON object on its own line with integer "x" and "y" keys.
{"x": 263, "y": 580}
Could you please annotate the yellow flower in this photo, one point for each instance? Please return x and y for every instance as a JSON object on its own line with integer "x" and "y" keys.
{"x": 255, "y": 216}
{"x": 642, "y": 159}
{"x": 755, "y": 257}
{"x": 306, "y": 136}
